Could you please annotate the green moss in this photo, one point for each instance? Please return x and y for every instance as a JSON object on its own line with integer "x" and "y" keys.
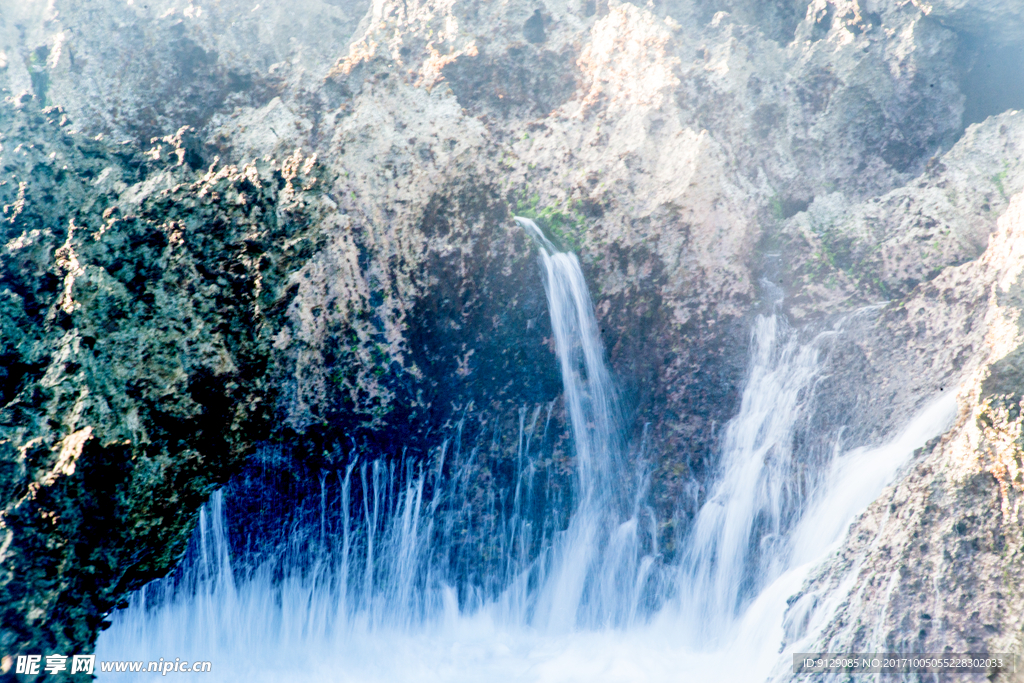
{"x": 840, "y": 253}
{"x": 566, "y": 225}
{"x": 39, "y": 73}
{"x": 998, "y": 179}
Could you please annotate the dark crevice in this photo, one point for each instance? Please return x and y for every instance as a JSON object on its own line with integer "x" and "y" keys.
{"x": 993, "y": 78}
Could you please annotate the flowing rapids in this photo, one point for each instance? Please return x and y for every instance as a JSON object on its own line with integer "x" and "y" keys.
{"x": 381, "y": 590}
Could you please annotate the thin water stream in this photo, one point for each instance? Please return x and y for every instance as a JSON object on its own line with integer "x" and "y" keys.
{"x": 377, "y": 597}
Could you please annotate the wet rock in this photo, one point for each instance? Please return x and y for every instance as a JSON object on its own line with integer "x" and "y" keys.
{"x": 934, "y": 563}
{"x": 684, "y": 152}
{"x": 140, "y": 301}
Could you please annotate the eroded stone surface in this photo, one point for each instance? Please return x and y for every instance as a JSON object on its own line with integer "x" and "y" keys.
{"x": 683, "y": 151}
{"x": 140, "y": 300}
{"x": 935, "y": 563}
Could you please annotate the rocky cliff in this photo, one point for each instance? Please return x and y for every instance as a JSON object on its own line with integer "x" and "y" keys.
{"x": 228, "y": 223}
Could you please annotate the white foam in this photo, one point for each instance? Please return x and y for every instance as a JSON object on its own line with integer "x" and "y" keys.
{"x": 380, "y": 607}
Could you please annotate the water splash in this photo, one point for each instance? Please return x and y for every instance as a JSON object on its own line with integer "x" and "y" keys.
{"x": 586, "y": 587}
{"x": 737, "y": 540}
{"x": 376, "y": 588}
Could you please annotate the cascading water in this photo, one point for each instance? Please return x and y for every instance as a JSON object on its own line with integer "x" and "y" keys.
{"x": 754, "y": 494}
{"x": 586, "y": 588}
{"x": 377, "y": 586}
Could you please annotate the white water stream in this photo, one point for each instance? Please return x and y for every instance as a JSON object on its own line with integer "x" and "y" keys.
{"x": 589, "y": 600}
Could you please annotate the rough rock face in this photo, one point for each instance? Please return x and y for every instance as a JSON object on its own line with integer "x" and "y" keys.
{"x": 373, "y": 298}
{"x": 170, "y": 63}
{"x": 139, "y": 302}
{"x": 935, "y": 564}
{"x": 887, "y": 254}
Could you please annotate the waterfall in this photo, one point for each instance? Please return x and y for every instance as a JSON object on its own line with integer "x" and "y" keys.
{"x": 572, "y": 593}
{"x": 380, "y": 584}
{"x": 754, "y": 493}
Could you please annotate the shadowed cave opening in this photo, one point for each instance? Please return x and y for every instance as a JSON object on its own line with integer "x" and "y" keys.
{"x": 994, "y": 79}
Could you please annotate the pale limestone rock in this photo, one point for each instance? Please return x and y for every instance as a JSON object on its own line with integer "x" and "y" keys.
{"x": 684, "y": 153}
